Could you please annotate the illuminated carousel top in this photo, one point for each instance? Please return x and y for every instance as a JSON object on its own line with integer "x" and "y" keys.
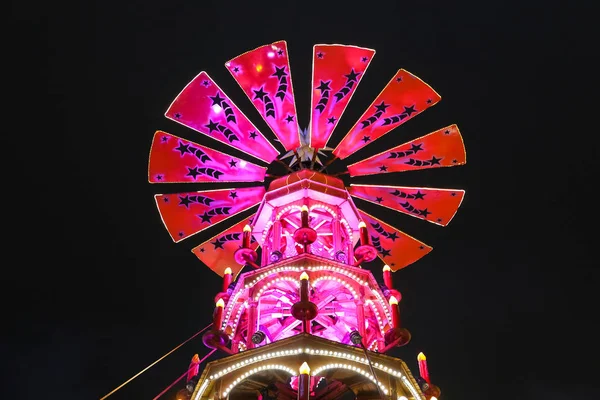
{"x": 302, "y": 239}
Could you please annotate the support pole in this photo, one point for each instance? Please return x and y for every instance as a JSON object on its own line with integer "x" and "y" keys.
{"x": 252, "y": 311}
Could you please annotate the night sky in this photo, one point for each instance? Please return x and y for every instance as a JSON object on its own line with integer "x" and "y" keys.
{"x": 500, "y": 306}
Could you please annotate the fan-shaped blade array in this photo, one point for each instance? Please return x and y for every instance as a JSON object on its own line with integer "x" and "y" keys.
{"x": 337, "y": 71}
{"x": 175, "y": 160}
{"x": 218, "y": 252}
{"x": 442, "y": 148}
{"x": 404, "y": 97}
{"x": 394, "y": 247}
{"x": 185, "y": 214}
{"x": 433, "y": 205}
{"x": 204, "y": 107}
{"x": 264, "y": 75}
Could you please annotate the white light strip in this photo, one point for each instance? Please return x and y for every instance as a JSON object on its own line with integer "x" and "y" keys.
{"x": 353, "y": 368}
{"x": 268, "y": 284}
{"x": 379, "y": 320}
{"x": 410, "y": 387}
{"x": 321, "y": 352}
{"x": 286, "y": 209}
{"x": 385, "y": 305}
{"x": 324, "y": 207}
{"x": 254, "y": 371}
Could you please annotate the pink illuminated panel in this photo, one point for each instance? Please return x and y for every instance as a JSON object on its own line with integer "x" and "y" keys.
{"x": 434, "y": 205}
{"x": 404, "y": 97}
{"x": 175, "y": 160}
{"x": 264, "y": 75}
{"x": 204, "y": 107}
{"x": 218, "y": 252}
{"x": 337, "y": 71}
{"x": 442, "y": 148}
{"x": 394, "y": 247}
{"x": 185, "y": 214}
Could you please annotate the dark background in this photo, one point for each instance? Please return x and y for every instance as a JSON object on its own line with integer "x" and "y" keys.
{"x": 502, "y": 307}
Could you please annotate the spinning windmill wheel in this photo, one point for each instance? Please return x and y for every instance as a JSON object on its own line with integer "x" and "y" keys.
{"x": 264, "y": 75}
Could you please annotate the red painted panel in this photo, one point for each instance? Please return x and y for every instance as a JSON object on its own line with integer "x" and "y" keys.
{"x": 176, "y": 160}
{"x": 394, "y": 247}
{"x": 434, "y": 205}
{"x": 217, "y": 252}
{"x": 264, "y": 75}
{"x": 442, "y": 148}
{"x": 337, "y": 71}
{"x": 404, "y": 97}
{"x": 185, "y": 214}
{"x": 204, "y": 107}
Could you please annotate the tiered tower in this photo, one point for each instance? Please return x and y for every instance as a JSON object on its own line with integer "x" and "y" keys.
{"x": 297, "y": 316}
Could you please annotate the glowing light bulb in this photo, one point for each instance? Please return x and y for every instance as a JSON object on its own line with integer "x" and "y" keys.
{"x": 259, "y": 68}
{"x": 304, "y": 368}
{"x": 220, "y": 303}
{"x": 216, "y": 108}
{"x": 393, "y": 300}
{"x": 270, "y": 54}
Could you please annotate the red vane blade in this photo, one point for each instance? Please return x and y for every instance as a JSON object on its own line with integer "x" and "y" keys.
{"x": 218, "y": 252}
{"x": 434, "y": 205}
{"x": 185, "y": 214}
{"x": 394, "y": 247}
{"x": 442, "y": 148}
{"x": 205, "y": 108}
{"x": 404, "y": 97}
{"x": 175, "y": 160}
{"x": 337, "y": 71}
{"x": 264, "y": 75}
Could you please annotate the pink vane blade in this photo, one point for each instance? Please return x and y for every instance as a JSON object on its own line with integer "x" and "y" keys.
{"x": 404, "y": 97}
{"x": 442, "y": 148}
{"x": 218, "y": 252}
{"x": 175, "y": 160}
{"x": 337, "y": 71}
{"x": 394, "y": 247}
{"x": 185, "y": 214}
{"x": 205, "y": 108}
{"x": 264, "y": 75}
{"x": 434, "y": 205}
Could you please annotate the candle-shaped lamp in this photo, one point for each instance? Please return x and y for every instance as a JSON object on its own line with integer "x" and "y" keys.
{"x": 364, "y": 234}
{"x": 387, "y": 276}
{"x": 304, "y": 286}
{"x": 423, "y": 371}
{"x": 246, "y": 237}
{"x": 304, "y": 382}
{"x": 395, "y": 312}
{"x": 304, "y": 309}
{"x": 227, "y": 277}
{"x": 304, "y": 216}
{"x": 218, "y": 314}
